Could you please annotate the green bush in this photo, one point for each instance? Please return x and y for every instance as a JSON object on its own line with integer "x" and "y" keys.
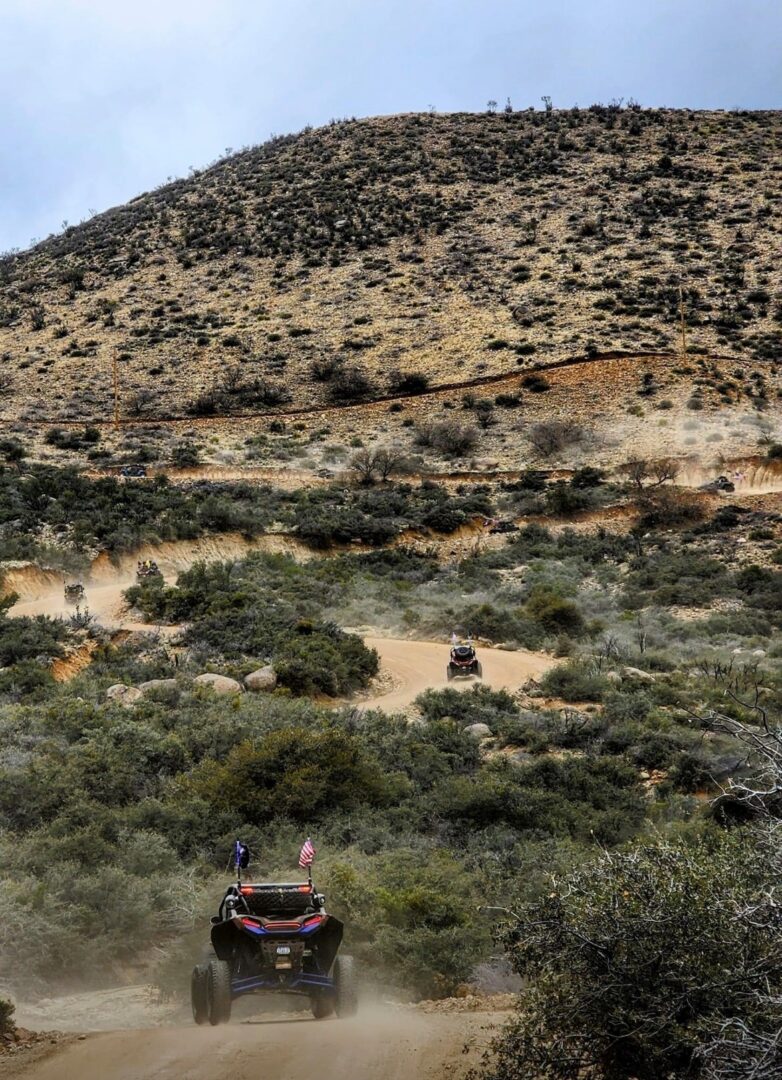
{"x": 636, "y": 962}
{"x": 554, "y": 613}
{"x": 295, "y": 774}
{"x": 574, "y": 681}
{"x": 7, "y": 1010}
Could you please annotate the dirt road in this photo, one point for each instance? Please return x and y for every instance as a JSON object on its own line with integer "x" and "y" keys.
{"x": 383, "y": 1043}
{"x": 408, "y": 666}
{"x": 414, "y": 666}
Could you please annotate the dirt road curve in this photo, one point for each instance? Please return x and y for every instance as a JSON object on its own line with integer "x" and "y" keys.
{"x": 415, "y": 666}
{"x": 381, "y": 1044}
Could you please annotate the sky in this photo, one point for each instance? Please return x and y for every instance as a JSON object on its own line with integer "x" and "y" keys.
{"x": 101, "y": 100}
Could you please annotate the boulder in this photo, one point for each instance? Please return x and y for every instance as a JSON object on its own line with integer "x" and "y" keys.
{"x": 157, "y": 684}
{"x": 479, "y": 731}
{"x": 221, "y": 684}
{"x": 264, "y": 679}
{"x": 637, "y": 674}
{"x": 613, "y": 677}
{"x": 124, "y": 695}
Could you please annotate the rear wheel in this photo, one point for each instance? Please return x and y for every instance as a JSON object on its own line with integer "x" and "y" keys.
{"x": 346, "y": 1000}
{"x": 322, "y": 1006}
{"x": 449, "y": 673}
{"x": 218, "y": 992}
{"x": 198, "y": 994}
{"x": 479, "y": 669}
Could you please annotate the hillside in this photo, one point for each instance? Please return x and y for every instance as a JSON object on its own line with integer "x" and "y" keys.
{"x": 380, "y": 258}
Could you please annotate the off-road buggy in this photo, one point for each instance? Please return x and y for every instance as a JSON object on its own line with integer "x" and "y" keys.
{"x": 464, "y": 662}
{"x": 146, "y": 569}
{"x": 130, "y": 472}
{"x": 720, "y": 483}
{"x": 74, "y": 592}
{"x": 502, "y": 526}
{"x": 274, "y": 938}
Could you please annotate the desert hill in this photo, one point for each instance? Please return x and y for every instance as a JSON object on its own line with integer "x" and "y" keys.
{"x": 388, "y": 257}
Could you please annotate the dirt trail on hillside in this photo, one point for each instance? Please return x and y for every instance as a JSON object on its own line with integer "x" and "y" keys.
{"x": 379, "y": 1044}
{"x": 415, "y": 666}
{"x": 409, "y": 667}
{"x": 749, "y": 476}
{"x": 41, "y": 592}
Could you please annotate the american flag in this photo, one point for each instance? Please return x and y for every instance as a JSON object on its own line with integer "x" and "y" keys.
{"x": 307, "y": 853}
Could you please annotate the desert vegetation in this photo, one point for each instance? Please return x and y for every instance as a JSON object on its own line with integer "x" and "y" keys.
{"x": 222, "y": 294}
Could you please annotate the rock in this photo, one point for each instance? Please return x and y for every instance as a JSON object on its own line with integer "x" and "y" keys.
{"x": 157, "y": 684}
{"x": 613, "y": 677}
{"x": 264, "y": 679}
{"x": 479, "y": 731}
{"x": 221, "y": 684}
{"x": 637, "y": 674}
{"x": 124, "y": 695}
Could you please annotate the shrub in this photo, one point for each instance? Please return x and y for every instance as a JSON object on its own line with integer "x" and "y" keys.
{"x": 552, "y": 436}
{"x": 573, "y": 681}
{"x": 6, "y": 1017}
{"x": 450, "y": 437}
{"x": 292, "y": 773}
{"x": 350, "y": 383}
{"x": 536, "y": 384}
{"x": 408, "y": 382}
{"x": 185, "y": 455}
{"x": 71, "y": 439}
{"x": 554, "y": 613}
{"x": 316, "y": 662}
{"x": 641, "y": 963}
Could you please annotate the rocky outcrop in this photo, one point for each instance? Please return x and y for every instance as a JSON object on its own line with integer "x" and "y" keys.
{"x": 157, "y": 684}
{"x": 126, "y": 696}
{"x": 479, "y": 731}
{"x": 221, "y": 684}
{"x": 264, "y": 680}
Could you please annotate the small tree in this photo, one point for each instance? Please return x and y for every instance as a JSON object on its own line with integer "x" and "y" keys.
{"x": 186, "y": 455}
{"x": 12, "y": 451}
{"x": 363, "y": 464}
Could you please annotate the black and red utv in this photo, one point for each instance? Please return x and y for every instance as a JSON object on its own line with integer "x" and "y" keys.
{"x": 274, "y": 938}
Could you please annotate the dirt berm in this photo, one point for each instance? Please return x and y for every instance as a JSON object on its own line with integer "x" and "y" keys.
{"x": 382, "y": 1043}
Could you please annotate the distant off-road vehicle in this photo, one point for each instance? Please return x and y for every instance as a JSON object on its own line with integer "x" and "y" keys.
{"x": 274, "y": 938}
{"x": 74, "y": 592}
{"x": 464, "y": 662}
{"x": 720, "y": 483}
{"x": 133, "y": 471}
{"x": 498, "y": 527}
{"x": 147, "y": 569}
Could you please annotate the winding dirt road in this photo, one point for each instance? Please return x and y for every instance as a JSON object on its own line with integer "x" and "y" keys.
{"x": 407, "y": 667}
{"x": 415, "y": 666}
{"x": 380, "y": 1044}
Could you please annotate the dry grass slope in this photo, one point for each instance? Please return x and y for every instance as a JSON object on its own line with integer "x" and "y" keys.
{"x": 384, "y": 256}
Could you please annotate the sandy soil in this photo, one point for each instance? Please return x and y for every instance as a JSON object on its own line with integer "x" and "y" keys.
{"x": 41, "y": 591}
{"x": 381, "y": 1043}
{"x": 415, "y": 666}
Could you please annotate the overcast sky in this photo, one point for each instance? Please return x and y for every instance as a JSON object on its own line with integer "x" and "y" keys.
{"x": 100, "y": 100}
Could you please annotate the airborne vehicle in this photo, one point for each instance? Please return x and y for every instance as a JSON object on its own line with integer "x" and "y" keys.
{"x": 273, "y": 938}
{"x": 464, "y": 662}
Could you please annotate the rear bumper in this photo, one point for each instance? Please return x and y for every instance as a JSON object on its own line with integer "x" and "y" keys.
{"x": 302, "y": 983}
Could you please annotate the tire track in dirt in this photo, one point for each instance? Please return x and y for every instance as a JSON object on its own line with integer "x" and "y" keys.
{"x": 381, "y": 1043}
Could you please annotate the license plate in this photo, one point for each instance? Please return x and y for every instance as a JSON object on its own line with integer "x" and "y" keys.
{"x": 283, "y": 950}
